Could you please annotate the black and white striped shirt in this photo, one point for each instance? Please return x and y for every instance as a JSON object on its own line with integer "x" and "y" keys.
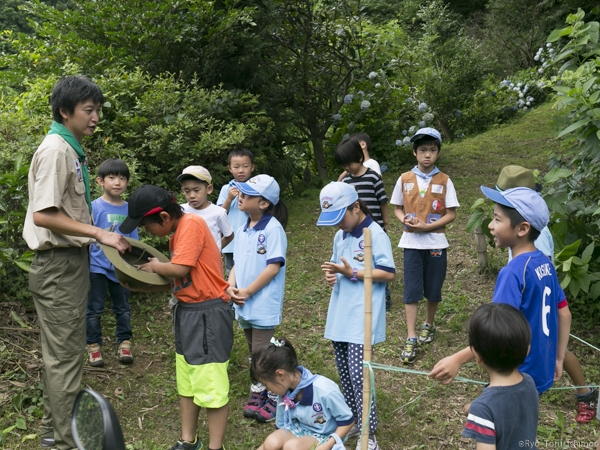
{"x": 369, "y": 187}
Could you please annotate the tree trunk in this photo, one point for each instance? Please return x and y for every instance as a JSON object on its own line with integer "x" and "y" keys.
{"x": 481, "y": 242}
{"x": 320, "y": 158}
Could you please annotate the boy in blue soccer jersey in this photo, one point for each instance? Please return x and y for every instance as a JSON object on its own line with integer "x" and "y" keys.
{"x": 528, "y": 283}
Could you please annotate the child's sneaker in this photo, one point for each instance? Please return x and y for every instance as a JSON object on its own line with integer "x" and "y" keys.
{"x": 427, "y": 333}
{"x": 586, "y": 407}
{"x": 267, "y": 412}
{"x": 48, "y": 442}
{"x": 255, "y": 404}
{"x": 95, "y": 355}
{"x": 410, "y": 351}
{"x": 124, "y": 352}
{"x": 372, "y": 444}
{"x": 185, "y": 445}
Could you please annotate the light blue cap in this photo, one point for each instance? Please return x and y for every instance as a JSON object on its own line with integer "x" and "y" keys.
{"x": 527, "y": 202}
{"x": 260, "y": 186}
{"x": 428, "y": 131}
{"x": 335, "y": 199}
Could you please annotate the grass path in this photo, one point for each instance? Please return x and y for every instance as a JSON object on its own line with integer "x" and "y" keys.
{"x": 145, "y": 396}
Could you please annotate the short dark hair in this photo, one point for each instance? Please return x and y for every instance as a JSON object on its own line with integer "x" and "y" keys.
{"x": 500, "y": 334}
{"x": 70, "y": 91}
{"x": 517, "y": 219}
{"x": 174, "y": 210}
{"x": 427, "y": 140}
{"x": 349, "y": 151}
{"x": 240, "y": 151}
{"x": 269, "y": 359}
{"x": 113, "y": 166}
{"x": 360, "y": 136}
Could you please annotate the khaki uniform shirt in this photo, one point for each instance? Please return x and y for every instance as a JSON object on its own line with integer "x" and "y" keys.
{"x": 55, "y": 180}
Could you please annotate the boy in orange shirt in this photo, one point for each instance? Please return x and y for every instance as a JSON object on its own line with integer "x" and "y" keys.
{"x": 198, "y": 284}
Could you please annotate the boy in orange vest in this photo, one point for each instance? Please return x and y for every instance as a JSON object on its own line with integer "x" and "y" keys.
{"x": 425, "y": 202}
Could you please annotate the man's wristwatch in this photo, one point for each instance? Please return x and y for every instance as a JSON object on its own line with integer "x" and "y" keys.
{"x": 354, "y": 272}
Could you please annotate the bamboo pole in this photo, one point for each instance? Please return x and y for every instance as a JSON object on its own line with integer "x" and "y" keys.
{"x": 368, "y": 281}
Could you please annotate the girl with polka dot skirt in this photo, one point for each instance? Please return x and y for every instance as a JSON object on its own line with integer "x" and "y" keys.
{"x": 257, "y": 278}
{"x": 341, "y": 207}
{"x": 311, "y": 410}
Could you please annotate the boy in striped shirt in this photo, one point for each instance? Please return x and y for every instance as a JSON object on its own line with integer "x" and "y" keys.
{"x": 505, "y": 415}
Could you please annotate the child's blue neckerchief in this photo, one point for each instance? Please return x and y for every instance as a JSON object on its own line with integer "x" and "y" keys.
{"x": 307, "y": 378}
{"x": 418, "y": 172}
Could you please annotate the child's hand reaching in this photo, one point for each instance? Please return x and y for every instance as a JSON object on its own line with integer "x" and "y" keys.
{"x": 232, "y": 193}
{"x": 150, "y": 265}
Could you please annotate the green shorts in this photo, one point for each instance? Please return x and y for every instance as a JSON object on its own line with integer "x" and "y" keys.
{"x": 207, "y": 384}
{"x": 203, "y": 342}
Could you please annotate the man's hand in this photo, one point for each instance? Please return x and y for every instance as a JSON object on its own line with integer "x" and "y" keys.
{"x": 114, "y": 240}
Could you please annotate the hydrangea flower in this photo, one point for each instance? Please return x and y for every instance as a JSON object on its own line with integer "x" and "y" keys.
{"x": 540, "y": 70}
{"x": 377, "y": 85}
{"x": 528, "y": 103}
{"x": 520, "y": 95}
{"x": 351, "y": 126}
{"x": 427, "y": 117}
{"x": 549, "y": 45}
{"x": 409, "y": 100}
{"x": 422, "y": 106}
{"x": 457, "y": 113}
{"x": 536, "y": 58}
{"x": 372, "y": 75}
{"x": 398, "y": 142}
{"x": 422, "y": 124}
{"x": 412, "y": 129}
{"x": 404, "y": 132}
{"x": 406, "y": 141}
{"x": 524, "y": 108}
{"x": 348, "y": 99}
{"x": 365, "y": 104}
{"x": 360, "y": 93}
{"x": 337, "y": 117}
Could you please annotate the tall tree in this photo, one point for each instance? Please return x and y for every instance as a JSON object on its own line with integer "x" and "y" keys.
{"x": 312, "y": 51}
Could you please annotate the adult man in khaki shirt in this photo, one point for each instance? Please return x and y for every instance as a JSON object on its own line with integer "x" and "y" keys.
{"x": 58, "y": 227}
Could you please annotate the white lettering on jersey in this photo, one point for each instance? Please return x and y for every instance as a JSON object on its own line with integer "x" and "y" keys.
{"x": 543, "y": 271}
{"x": 545, "y": 311}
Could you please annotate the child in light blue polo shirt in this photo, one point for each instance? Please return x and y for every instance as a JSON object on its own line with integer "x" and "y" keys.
{"x": 258, "y": 275}
{"x": 344, "y": 273}
{"x": 241, "y": 166}
{"x": 311, "y": 410}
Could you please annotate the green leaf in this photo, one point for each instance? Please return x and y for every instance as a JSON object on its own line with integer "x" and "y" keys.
{"x": 594, "y": 291}
{"x": 557, "y": 34}
{"x": 587, "y": 85}
{"x": 587, "y": 253}
{"x": 569, "y": 251}
{"x": 475, "y": 220}
{"x": 565, "y": 282}
{"x": 556, "y": 174}
{"x": 21, "y": 424}
{"x": 566, "y": 265}
{"x": 574, "y": 287}
{"x": 574, "y": 126}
